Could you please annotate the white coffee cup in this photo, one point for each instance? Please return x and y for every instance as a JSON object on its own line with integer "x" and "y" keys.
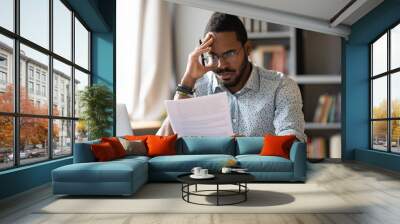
{"x": 203, "y": 172}
{"x": 196, "y": 170}
{"x": 226, "y": 170}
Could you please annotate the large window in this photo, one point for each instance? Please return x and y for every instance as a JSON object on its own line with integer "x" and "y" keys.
{"x": 385, "y": 91}
{"x": 44, "y": 64}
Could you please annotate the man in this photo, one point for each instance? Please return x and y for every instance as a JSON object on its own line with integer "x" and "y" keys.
{"x": 261, "y": 101}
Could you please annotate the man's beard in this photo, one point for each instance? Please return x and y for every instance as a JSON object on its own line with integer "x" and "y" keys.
{"x": 236, "y": 79}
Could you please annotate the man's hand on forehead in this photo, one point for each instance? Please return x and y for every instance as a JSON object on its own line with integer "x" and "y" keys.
{"x": 209, "y": 35}
{"x": 207, "y": 42}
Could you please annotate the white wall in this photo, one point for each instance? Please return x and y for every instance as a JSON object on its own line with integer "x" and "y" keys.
{"x": 189, "y": 25}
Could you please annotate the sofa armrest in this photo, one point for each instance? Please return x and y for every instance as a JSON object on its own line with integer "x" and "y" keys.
{"x": 298, "y": 156}
{"x": 83, "y": 152}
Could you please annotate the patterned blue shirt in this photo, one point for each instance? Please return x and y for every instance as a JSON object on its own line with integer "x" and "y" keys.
{"x": 269, "y": 102}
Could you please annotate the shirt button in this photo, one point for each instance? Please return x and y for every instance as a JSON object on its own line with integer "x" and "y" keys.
{"x": 234, "y": 120}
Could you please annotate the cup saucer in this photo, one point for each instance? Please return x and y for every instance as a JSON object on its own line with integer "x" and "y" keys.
{"x": 208, "y": 176}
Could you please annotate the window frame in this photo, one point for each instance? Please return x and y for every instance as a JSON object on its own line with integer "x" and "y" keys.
{"x": 16, "y": 114}
{"x": 388, "y": 74}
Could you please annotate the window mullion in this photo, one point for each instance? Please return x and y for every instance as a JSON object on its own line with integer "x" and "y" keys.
{"x": 389, "y": 94}
{"x": 371, "y": 123}
{"x": 50, "y": 81}
{"x": 16, "y": 84}
{"x": 73, "y": 82}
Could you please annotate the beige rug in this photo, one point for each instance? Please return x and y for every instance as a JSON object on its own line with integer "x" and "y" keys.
{"x": 166, "y": 198}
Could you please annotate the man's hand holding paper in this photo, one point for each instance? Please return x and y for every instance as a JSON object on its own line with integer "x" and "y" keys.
{"x": 200, "y": 116}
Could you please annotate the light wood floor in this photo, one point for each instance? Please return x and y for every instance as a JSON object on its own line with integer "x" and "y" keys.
{"x": 377, "y": 188}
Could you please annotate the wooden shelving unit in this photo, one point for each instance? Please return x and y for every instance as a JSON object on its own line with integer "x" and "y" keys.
{"x": 322, "y": 126}
{"x": 319, "y": 67}
{"x": 318, "y": 79}
{"x": 314, "y": 63}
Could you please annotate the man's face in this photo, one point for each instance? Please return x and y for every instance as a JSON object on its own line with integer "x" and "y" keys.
{"x": 232, "y": 58}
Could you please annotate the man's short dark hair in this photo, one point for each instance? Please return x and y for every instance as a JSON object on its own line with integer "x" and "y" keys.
{"x": 221, "y": 22}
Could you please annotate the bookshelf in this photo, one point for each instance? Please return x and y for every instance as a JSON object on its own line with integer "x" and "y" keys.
{"x": 313, "y": 60}
{"x": 319, "y": 79}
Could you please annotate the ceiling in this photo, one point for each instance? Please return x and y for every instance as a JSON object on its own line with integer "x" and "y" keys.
{"x": 319, "y": 9}
{"x": 333, "y": 17}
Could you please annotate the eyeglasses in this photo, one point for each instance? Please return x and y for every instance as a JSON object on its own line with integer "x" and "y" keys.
{"x": 212, "y": 59}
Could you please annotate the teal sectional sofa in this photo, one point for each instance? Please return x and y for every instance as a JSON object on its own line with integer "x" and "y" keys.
{"x": 125, "y": 176}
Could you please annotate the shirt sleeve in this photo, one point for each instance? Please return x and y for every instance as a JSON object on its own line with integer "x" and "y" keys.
{"x": 289, "y": 117}
{"x": 202, "y": 86}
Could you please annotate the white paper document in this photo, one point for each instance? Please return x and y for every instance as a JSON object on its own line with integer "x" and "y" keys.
{"x": 201, "y": 116}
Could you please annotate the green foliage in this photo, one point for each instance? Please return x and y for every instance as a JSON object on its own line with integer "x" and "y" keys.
{"x": 96, "y": 102}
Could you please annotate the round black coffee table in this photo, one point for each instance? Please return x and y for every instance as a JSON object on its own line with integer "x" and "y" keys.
{"x": 238, "y": 179}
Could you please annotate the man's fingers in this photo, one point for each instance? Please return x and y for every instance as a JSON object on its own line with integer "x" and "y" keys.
{"x": 207, "y": 43}
{"x": 208, "y": 40}
{"x": 207, "y": 37}
{"x": 200, "y": 51}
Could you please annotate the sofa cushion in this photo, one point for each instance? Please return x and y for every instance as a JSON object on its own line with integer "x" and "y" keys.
{"x": 277, "y": 145}
{"x": 257, "y": 163}
{"x": 206, "y": 145}
{"x": 111, "y": 171}
{"x": 116, "y": 145}
{"x": 134, "y": 147}
{"x": 249, "y": 145}
{"x": 133, "y": 158}
{"x": 103, "y": 152}
{"x": 161, "y": 145}
{"x": 185, "y": 163}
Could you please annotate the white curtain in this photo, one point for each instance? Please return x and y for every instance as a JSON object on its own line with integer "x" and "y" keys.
{"x": 144, "y": 57}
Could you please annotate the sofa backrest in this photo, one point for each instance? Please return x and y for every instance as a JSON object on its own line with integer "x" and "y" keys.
{"x": 83, "y": 152}
{"x": 206, "y": 145}
{"x": 190, "y": 146}
{"x": 249, "y": 145}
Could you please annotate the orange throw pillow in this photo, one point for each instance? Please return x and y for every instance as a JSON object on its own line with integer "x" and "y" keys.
{"x": 161, "y": 145}
{"x": 103, "y": 152}
{"x": 277, "y": 145}
{"x": 116, "y": 145}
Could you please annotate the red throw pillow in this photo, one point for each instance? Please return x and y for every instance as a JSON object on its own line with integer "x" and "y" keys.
{"x": 277, "y": 145}
{"x": 161, "y": 145}
{"x": 116, "y": 145}
{"x": 103, "y": 152}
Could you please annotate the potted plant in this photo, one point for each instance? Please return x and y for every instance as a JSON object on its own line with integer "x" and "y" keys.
{"x": 96, "y": 104}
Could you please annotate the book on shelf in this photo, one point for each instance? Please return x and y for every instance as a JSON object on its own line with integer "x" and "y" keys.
{"x": 320, "y": 147}
{"x": 272, "y": 57}
{"x": 264, "y": 27}
{"x": 335, "y": 147}
{"x": 247, "y": 22}
{"x": 328, "y": 109}
{"x": 316, "y": 148}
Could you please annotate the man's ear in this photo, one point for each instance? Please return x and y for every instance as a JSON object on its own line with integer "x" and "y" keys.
{"x": 248, "y": 47}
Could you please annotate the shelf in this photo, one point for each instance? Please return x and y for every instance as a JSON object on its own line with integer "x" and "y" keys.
{"x": 280, "y": 34}
{"x": 322, "y": 126}
{"x": 318, "y": 79}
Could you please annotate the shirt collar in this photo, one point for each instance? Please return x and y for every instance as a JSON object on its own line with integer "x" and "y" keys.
{"x": 252, "y": 83}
